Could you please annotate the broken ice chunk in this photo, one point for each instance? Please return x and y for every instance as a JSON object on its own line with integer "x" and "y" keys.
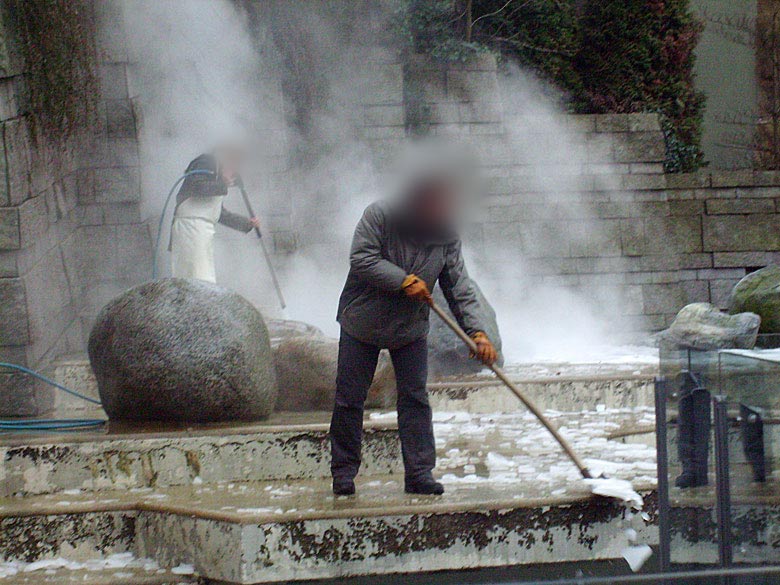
{"x": 636, "y": 556}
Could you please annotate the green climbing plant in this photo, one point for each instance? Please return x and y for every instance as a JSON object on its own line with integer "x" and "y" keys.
{"x": 607, "y": 56}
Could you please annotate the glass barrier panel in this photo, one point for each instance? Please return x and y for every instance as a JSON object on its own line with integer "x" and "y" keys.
{"x": 749, "y": 380}
{"x": 690, "y": 378}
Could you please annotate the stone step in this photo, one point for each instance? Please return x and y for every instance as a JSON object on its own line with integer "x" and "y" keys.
{"x": 284, "y": 447}
{"x": 565, "y": 387}
{"x": 74, "y": 372}
{"x": 305, "y": 533}
{"x": 566, "y": 393}
{"x": 755, "y": 518}
{"x": 297, "y": 447}
{"x": 274, "y": 532}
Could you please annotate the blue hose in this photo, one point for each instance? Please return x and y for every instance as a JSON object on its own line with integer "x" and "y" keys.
{"x": 165, "y": 208}
{"x": 64, "y": 425}
{"x": 78, "y": 424}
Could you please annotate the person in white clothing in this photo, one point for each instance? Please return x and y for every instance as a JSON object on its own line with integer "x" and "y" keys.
{"x": 199, "y": 208}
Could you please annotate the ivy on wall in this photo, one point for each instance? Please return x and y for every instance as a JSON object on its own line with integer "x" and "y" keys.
{"x": 637, "y": 55}
{"x": 57, "y": 42}
{"x": 605, "y": 55}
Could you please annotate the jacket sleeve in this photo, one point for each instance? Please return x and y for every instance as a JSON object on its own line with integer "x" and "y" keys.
{"x": 235, "y": 221}
{"x": 366, "y": 260}
{"x": 458, "y": 289}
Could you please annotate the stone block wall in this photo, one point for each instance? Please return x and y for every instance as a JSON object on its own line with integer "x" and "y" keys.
{"x": 70, "y": 235}
{"x": 596, "y": 211}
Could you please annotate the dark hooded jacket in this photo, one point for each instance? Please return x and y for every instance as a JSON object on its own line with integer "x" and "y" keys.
{"x": 374, "y": 309}
{"x": 211, "y": 185}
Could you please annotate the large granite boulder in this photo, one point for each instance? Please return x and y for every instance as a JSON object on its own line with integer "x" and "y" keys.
{"x": 759, "y": 293}
{"x": 282, "y": 329}
{"x": 306, "y": 372}
{"x": 704, "y": 327}
{"x": 447, "y": 354}
{"x": 182, "y": 350}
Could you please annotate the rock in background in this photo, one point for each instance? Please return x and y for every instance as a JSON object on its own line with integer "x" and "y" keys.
{"x": 182, "y": 350}
{"x": 306, "y": 372}
{"x": 704, "y": 327}
{"x": 759, "y": 293}
{"x": 283, "y": 329}
{"x": 447, "y": 354}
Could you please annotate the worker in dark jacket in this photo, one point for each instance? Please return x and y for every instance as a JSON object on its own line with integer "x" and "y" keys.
{"x": 199, "y": 208}
{"x": 399, "y": 251}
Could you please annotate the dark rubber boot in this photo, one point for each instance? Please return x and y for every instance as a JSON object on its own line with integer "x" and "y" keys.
{"x": 343, "y": 487}
{"x": 687, "y": 479}
{"x": 427, "y": 487}
{"x": 693, "y": 432}
{"x": 701, "y": 435}
{"x": 752, "y": 428}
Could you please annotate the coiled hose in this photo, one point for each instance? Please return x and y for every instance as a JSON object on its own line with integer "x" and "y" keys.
{"x": 76, "y": 424}
{"x": 49, "y": 424}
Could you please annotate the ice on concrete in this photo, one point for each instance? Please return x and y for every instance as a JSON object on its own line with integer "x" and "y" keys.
{"x": 637, "y": 555}
{"x": 619, "y": 489}
{"x": 183, "y": 570}
{"x": 114, "y": 561}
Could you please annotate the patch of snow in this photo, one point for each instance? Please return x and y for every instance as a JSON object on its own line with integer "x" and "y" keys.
{"x": 49, "y": 566}
{"x": 620, "y": 489}
{"x": 383, "y": 416}
{"x": 637, "y": 555}
{"x": 183, "y": 570}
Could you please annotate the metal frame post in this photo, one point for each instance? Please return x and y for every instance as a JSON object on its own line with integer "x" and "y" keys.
{"x": 662, "y": 465}
{"x": 722, "y": 481}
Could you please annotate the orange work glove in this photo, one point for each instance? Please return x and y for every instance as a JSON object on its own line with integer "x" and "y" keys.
{"x": 486, "y": 352}
{"x": 415, "y": 288}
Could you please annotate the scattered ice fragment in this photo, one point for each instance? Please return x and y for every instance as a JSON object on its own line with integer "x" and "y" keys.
{"x": 636, "y": 556}
{"x": 631, "y": 535}
{"x": 616, "y": 488}
{"x": 383, "y": 416}
{"x": 496, "y": 461}
{"x": 197, "y": 480}
{"x": 183, "y": 570}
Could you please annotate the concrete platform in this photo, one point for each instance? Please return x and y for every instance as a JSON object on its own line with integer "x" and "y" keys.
{"x": 248, "y": 503}
{"x": 157, "y": 456}
{"x": 182, "y": 497}
{"x": 468, "y": 445}
{"x": 272, "y": 532}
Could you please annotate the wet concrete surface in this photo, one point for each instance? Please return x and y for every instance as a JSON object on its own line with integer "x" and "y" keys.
{"x": 487, "y": 460}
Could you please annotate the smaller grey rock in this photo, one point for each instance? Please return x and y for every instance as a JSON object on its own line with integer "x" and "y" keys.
{"x": 306, "y": 375}
{"x": 447, "y": 354}
{"x": 704, "y": 327}
{"x": 281, "y": 329}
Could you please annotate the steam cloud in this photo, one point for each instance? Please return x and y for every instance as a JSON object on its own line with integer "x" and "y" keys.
{"x": 209, "y": 71}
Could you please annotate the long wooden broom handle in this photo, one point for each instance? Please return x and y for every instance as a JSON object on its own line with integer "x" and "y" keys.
{"x": 517, "y": 392}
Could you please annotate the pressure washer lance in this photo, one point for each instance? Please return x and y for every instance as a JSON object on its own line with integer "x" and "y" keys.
{"x": 517, "y": 392}
{"x": 263, "y": 246}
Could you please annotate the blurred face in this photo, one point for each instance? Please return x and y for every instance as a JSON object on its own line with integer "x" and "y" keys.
{"x": 433, "y": 204}
{"x": 230, "y": 163}
{"x": 229, "y": 172}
